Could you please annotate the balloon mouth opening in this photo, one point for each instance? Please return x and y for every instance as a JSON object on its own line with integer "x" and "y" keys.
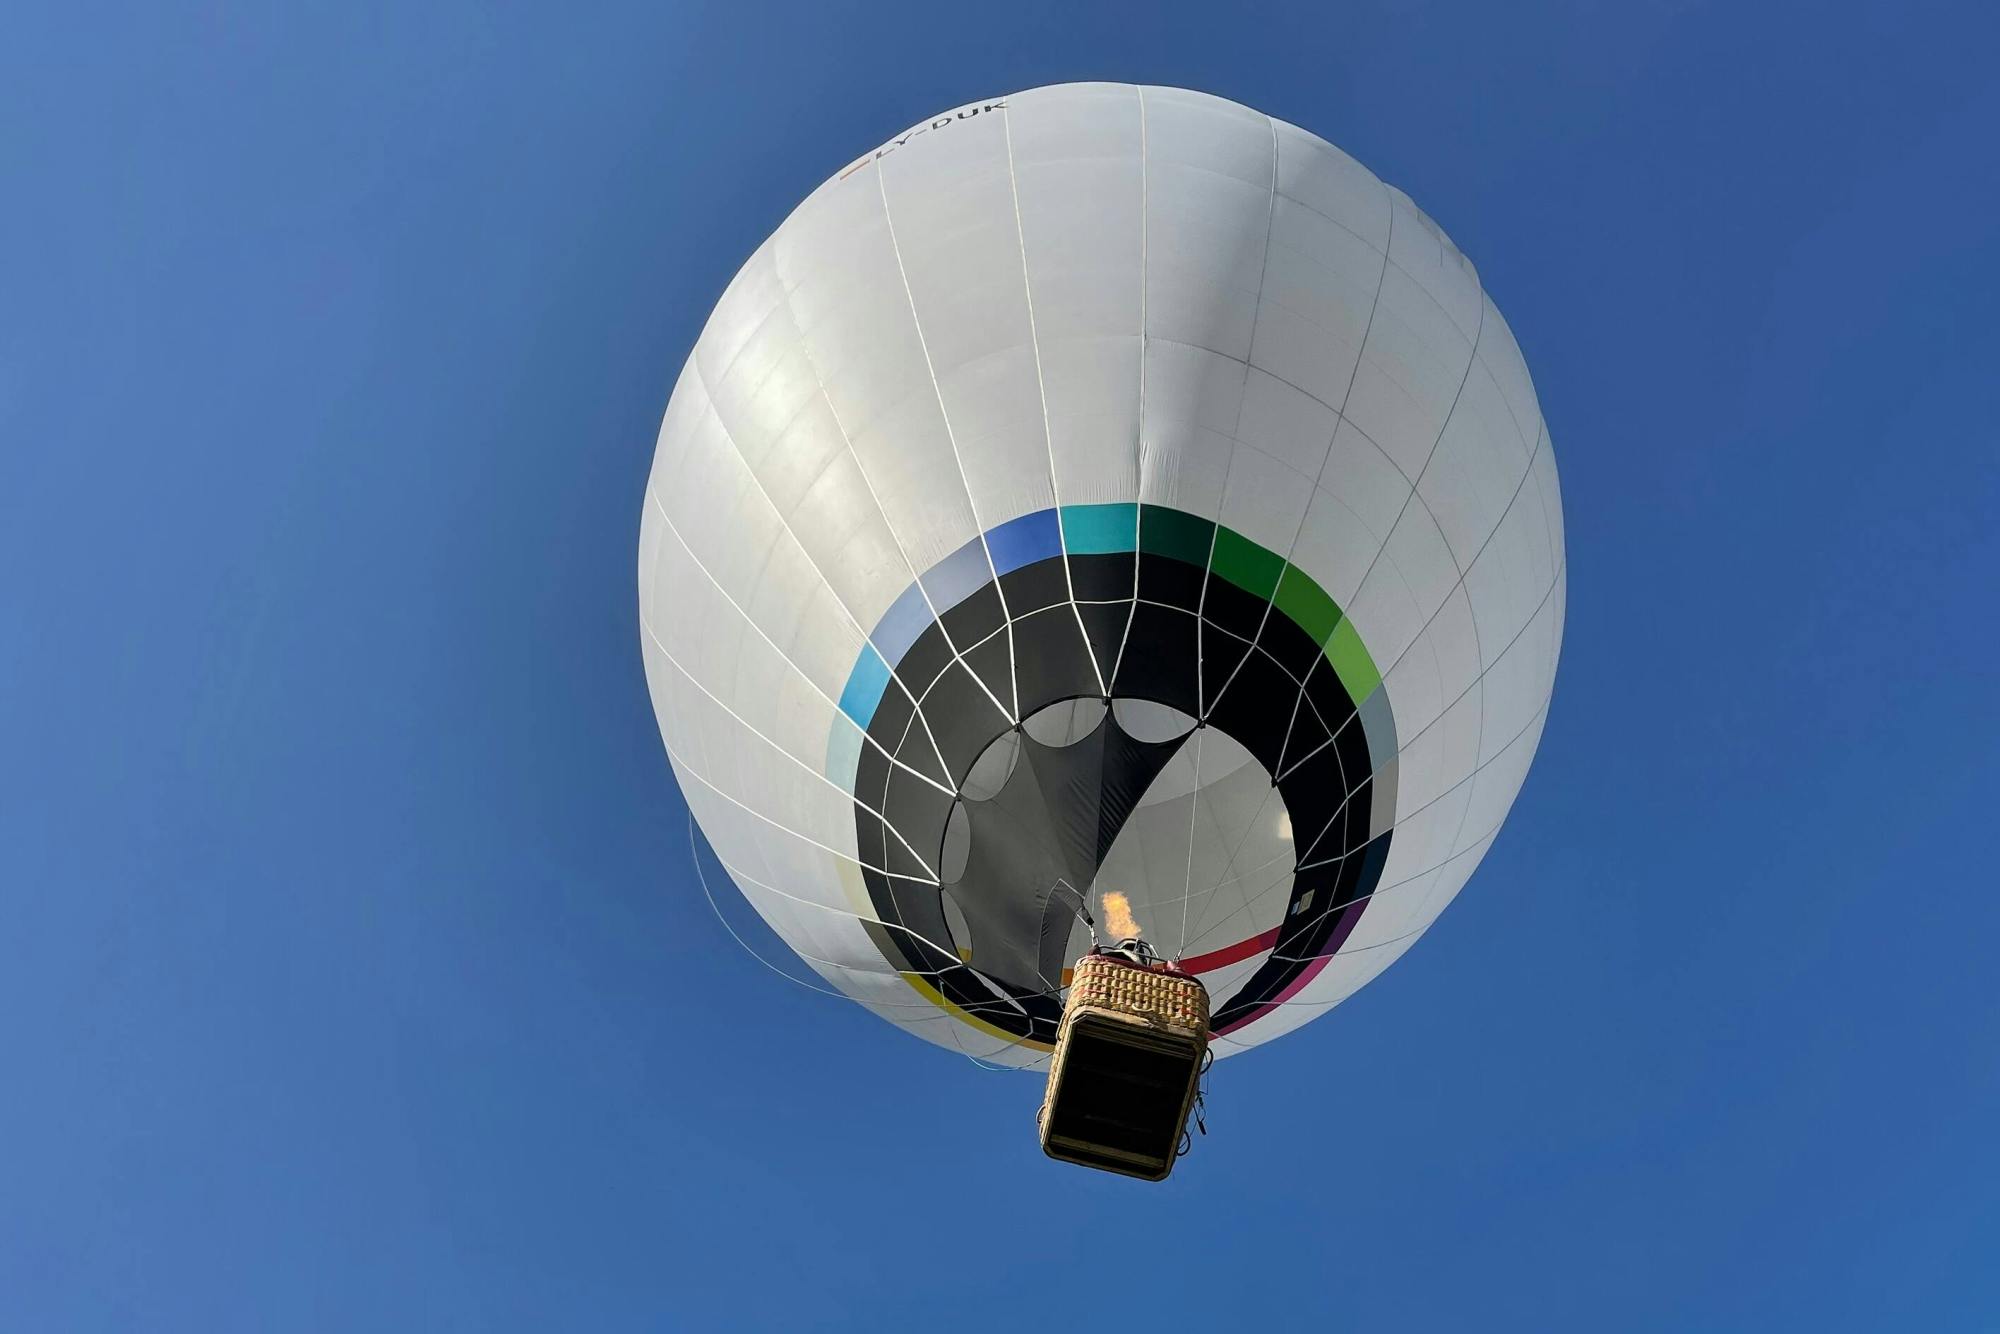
{"x": 997, "y": 834}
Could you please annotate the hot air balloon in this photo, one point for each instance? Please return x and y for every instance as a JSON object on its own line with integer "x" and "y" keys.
{"x": 1101, "y": 490}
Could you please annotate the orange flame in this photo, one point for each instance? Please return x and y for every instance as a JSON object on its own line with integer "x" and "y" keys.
{"x": 1118, "y": 916}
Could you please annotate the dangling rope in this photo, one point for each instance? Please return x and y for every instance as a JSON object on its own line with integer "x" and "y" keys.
{"x": 1200, "y": 1105}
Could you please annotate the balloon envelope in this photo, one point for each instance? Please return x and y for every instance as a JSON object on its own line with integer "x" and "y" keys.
{"x": 1101, "y": 489}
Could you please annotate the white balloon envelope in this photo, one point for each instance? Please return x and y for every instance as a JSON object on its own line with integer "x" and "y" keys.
{"x": 1100, "y": 489}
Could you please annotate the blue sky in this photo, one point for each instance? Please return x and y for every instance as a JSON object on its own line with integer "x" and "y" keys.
{"x": 352, "y": 973}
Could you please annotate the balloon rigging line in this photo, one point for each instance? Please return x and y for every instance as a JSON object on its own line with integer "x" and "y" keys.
{"x": 971, "y": 1006}
{"x": 802, "y": 674}
{"x": 1418, "y": 875}
{"x": 1236, "y": 431}
{"x": 1414, "y": 494}
{"x": 1001, "y": 997}
{"x": 745, "y": 725}
{"x": 1139, "y": 431}
{"x": 786, "y": 829}
{"x": 1194, "y": 805}
{"x": 1339, "y": 416}
{"x": 1404, "y": 817}
{"x": 1444, "y": 602}
{"x": 1404, "y": 746}
{"x": 1352, "y": 792}
{"x": 1331, "y": 908}
{"x": 1302, "y": 865}
{"x": 1340, "y": 858}
{"x": 1223, "y": 877}
{"x": 1480, "y": 744}
{"x": 1404, "y": 743}
{"x": 951, "y": 437}
{"x": 1472, "y": 359}
{"x": 978, "y": 1006}
{"x": 1459, "y": 583}
{"x": 895, "y": 538}
{"x": 694, "y": 855}
{"x": 1201, "y": 928}
{"x": 786, "y": 524}
{"x": 1042, "y": 387}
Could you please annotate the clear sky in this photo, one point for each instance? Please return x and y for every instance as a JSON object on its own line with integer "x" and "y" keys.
{"x": 352, "y": 972}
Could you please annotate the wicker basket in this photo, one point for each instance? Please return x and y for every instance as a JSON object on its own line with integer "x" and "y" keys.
{"x": 1158, "y": 994}
{"x": 1128, "y": 1060}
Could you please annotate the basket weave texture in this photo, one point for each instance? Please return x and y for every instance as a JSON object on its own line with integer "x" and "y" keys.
{"x": 1167, "y": 999}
